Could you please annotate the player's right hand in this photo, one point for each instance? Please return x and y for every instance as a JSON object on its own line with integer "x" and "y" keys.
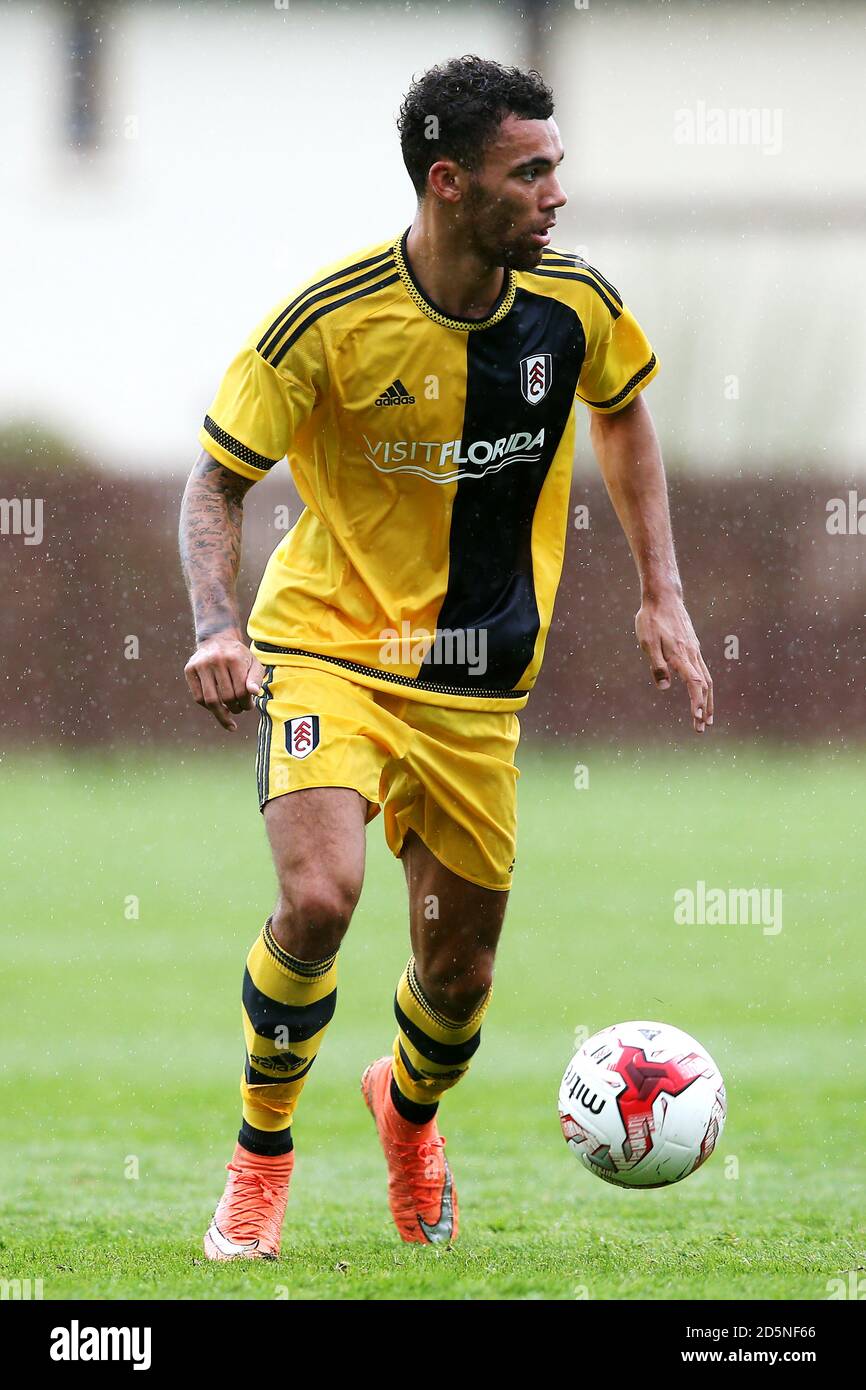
{"x": 224, "y": 677}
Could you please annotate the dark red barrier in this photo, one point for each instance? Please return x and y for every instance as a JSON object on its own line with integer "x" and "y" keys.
{"x": 758, "y": 563}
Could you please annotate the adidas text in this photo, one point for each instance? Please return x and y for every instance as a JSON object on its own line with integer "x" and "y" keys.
{"x": 396, "y": 394}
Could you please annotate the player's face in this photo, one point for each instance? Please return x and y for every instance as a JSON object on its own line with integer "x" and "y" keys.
{"x": 513, "y": 197}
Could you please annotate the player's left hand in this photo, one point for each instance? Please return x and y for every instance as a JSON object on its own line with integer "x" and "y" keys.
{"x": 665, "y": 633}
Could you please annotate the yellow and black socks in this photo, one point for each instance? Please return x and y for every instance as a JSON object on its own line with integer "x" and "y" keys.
{"x": 287, "y": 1006}
{"x": 431, "y": 1052}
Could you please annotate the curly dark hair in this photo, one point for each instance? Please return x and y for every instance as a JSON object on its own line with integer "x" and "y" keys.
{"x": 454, "y": 109}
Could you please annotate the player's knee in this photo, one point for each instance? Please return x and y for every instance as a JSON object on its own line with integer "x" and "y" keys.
{"x": 312, "y": 916}
{"x": 457, "y": 993}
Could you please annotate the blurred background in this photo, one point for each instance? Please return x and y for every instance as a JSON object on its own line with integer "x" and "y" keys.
{"x": 171, "y": 170}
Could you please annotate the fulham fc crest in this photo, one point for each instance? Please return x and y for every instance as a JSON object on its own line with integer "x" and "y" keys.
{"x": 302, "y": 735}
{"x": 536, "y": 374}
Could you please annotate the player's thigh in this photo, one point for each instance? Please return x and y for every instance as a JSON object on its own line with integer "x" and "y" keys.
{"x": 456, "y": 789}
{"x": 317, "y": 841}
{"x": 318, "y": 773}
{"x": 455, "y": 924}
{"x": 319, "y": 831}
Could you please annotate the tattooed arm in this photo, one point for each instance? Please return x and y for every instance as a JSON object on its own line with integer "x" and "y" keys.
{"x": 222, "y": 675}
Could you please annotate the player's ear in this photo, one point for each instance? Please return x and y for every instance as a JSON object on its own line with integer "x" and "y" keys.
{"x": 443, "y": 179}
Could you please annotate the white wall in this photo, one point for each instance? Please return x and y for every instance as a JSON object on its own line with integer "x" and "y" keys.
{"x": 245, "y": 145}
{"x": 743, "y": 260}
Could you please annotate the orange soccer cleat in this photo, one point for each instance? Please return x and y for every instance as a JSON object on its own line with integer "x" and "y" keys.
{"x": 247, "y": 1223}
{"x": 421, "y": 1190}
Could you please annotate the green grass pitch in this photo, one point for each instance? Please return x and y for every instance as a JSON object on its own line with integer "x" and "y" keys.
{"x": 121, "y": 1048}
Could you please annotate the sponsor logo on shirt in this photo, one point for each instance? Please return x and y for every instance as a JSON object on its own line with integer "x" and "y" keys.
{"x": 396, "y": 394}
{"x": 445, "y": 461}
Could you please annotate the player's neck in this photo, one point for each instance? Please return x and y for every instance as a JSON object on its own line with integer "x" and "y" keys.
{"x": 451, "y": 274}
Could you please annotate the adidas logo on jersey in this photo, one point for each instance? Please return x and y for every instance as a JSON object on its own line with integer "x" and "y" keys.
{"x": 395, "y": 395}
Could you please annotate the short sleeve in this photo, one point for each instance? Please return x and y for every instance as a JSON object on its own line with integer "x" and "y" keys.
{"x": 619, "y": 361}
{"x": 259, "y": 407}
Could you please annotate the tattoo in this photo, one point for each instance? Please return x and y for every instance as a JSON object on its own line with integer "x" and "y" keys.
{"x": 211, "y": 519}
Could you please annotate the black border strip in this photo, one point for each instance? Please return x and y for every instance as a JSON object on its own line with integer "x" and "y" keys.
{"x": 271, "y": 352}
{"x": 629, "y": 386}
{"x": 441, "y": 1054}
{"x": 508, "y": 286}
{"x": 319, "y": 284}
{"x": 327, "y": 309}
{"x": 263, "y": 748}
{"x": 242, "y": 452}
{"x": 615, "y": 311}
{"x": 577, "y": 262}
{"x": 406, "y": 681}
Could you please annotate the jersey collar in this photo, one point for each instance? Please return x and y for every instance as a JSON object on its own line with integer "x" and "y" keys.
{"x": 416, "y": 294}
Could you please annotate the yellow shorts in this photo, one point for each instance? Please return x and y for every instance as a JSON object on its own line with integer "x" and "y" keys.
{"x": 447, "y": 774}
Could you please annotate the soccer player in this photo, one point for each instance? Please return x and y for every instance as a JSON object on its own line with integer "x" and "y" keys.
{"x": 424, "y": 392}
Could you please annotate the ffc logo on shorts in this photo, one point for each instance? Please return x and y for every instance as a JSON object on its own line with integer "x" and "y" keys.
{"x": 302, "y": 735}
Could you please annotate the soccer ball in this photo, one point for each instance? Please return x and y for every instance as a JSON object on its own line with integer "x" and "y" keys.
{"x": 642, "y": 1104}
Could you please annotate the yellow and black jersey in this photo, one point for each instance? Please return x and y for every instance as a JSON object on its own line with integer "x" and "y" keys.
{"x": 434, "y": 458}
